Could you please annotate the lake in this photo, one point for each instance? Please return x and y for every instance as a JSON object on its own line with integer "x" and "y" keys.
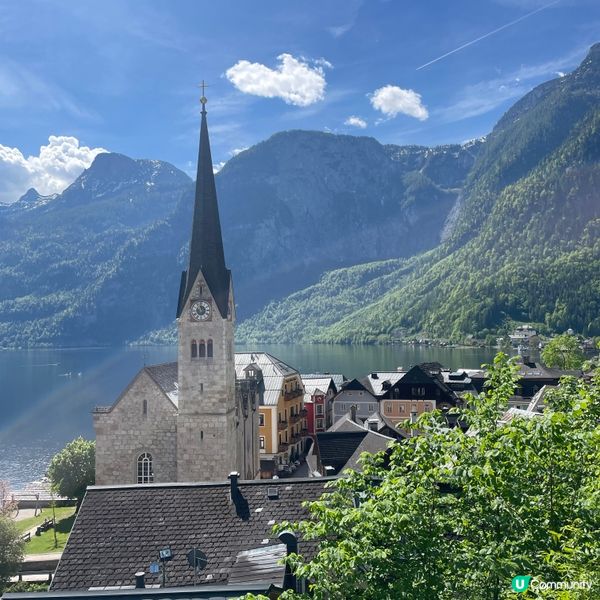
{"x": 46, "y": 396}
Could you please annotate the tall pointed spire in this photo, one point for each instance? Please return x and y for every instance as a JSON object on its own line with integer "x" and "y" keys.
{"x": 206, "y": 245}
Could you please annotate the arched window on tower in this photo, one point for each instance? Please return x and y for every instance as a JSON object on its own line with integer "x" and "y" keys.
{"x": 209, "y": 348}
{"x": 194, "y": 349}
{"x": 145, "y": 474}
{"x": 202, "y": 349}
{"x": 145, "y": 407}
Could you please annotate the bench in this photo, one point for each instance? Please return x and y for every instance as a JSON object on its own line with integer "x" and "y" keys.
{"x": 47, "y": 524}
{"x": 26, "y": 537}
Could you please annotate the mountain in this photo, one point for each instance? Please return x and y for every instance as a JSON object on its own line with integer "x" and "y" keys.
{"x": 59, "y": 254}
{"x": 522, "y": 243}
{"x": 100, "y": 263}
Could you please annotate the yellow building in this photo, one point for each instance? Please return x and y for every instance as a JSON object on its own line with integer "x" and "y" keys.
{"x": 282, "y": 419}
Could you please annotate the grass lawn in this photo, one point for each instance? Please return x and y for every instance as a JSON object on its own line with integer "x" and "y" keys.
{"x": 61, "y": 513}
{"x": 45, "y": 542}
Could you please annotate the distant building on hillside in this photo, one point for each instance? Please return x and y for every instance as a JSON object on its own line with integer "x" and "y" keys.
{"x": 524, "y": 335}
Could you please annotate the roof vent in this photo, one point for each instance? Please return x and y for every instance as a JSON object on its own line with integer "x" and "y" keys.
{"x": 374, "y": 376}
{"x": 272, "y": 493}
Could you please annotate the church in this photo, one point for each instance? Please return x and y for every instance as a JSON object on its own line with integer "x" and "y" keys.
{"x": 192, "y": 420}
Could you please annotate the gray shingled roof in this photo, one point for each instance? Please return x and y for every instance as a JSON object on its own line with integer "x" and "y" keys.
{"x": 120, "y": 529}
{"x": 274, "y": 371}
{"x": 165, "y": 376}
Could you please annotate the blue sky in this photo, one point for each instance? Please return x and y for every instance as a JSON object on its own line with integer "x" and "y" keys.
{"x": 122, "y": 75}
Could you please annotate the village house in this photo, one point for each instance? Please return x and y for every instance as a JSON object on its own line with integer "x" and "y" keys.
{"x": 319, "y": 391}
{"x": 421, "y": 389}
{"x": 282, "y": 425}
{"x": 354, "y": 393}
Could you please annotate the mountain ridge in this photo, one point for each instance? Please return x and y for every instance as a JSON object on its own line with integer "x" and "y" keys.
{"x": 524, "y": 244}
{"x": 99, "y": 264}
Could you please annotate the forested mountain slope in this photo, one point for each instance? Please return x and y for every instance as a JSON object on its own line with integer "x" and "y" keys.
{"x": 525, "y": 245}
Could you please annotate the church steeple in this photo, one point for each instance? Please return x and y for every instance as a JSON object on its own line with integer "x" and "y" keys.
{"x": 206, "y": 245}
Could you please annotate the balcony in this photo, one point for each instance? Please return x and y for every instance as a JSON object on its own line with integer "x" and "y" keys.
{"x": 303, "y": 412}
{"x": 293, "y": 394}
{"x": 283, "y": 447}
{"x": 294, "y": 419}
{"x": 296, "y": 437}
{"x": 281, "y": 425}
{"x": 304, "y": 431}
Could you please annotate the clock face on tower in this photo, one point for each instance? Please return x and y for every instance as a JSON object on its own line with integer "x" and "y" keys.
{"x": 200, "y": 310}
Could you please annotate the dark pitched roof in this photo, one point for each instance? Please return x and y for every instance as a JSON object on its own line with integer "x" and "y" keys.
{"x": 419, "y": 374}
{"x": 353, "y": 384}
{"x": 335, "y": 448}
{"x": 119, "y": 530}
{"x": 206, "y": 245}
{"x": 373, "y": 442}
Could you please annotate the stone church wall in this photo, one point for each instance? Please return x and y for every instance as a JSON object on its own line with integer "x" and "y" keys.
{"x": 124, "y": 433}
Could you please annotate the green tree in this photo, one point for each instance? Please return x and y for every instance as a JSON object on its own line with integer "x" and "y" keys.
{"x": 73, "y": 469}
{"x": 458, "y": 515}
{"x": 563, "y": 352}
{"x": 11, "y": 551}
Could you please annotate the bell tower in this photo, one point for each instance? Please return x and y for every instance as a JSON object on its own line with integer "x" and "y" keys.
{"x": 207, "y": 422}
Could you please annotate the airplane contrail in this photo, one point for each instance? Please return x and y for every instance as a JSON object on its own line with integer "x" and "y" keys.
{"x": 486, "y": 35}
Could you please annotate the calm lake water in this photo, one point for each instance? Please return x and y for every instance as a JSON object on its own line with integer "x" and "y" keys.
{"x": 46, "y": 396}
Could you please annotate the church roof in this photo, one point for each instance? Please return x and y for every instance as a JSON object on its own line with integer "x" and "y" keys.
{"x": 206, "y": 245}
{"x": 120, "y": 529}
{"x": 165, "y": 376}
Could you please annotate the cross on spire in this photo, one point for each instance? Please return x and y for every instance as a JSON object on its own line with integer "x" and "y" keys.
{"x": 203, "y": 99}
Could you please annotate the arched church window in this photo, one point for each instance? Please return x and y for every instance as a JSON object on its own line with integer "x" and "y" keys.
{"x": 202, "y": 349}
{"x": 194, "y": 349}
{"x": 144, "y": 407}
{"x": 209, "y": 348}
{"x": 145, "y": 474}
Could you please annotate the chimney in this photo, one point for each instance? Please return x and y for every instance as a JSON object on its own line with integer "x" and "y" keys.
{"x": 372, "y": 423}
{"x": 140, "y": 579}
{"x": 291, "y": 547}
{"x": 233, "y": 479}
{"x": 353, "y": 412}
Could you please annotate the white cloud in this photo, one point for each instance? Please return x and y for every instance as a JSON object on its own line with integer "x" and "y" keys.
{"x": 392, "y": 100}
{"x": 218, "y": 166}
{"x": 55, "y": 167}
{"x": 236, "y": 151}
{"x": 295, "y": 80}
{"x": 354, "y": 121}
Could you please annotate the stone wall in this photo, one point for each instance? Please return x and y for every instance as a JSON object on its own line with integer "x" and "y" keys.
{"x": 124, "y": 433}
